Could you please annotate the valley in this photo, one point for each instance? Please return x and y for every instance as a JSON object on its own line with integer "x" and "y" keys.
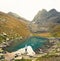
{"x": 36, "y": 40}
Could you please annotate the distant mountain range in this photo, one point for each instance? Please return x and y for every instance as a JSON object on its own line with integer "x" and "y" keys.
{"x": 45, "y": 21}
{"x": 43, "y": 17}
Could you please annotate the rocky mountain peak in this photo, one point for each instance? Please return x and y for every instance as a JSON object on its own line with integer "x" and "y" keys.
{"x": 53, "y": 11}
{"x": 43, "y": 10}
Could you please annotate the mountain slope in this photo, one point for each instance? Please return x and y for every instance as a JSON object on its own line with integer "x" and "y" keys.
{"x": 43, "y": 16}
{"x": 18, "y": 17}
{"x": 44, "y": 21}
{"x": 12, "y": 27}
{"x": 55, "y": 31}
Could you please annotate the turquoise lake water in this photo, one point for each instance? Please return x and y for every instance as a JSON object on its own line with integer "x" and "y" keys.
{"x": 34, "y": 42}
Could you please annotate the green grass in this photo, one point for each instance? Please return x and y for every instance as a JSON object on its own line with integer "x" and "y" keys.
{"x": 49, "y": 58}
{"x": 23, "y": 59}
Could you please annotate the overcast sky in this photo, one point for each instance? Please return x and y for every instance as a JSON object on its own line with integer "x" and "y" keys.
{"x": 28, "y": 8}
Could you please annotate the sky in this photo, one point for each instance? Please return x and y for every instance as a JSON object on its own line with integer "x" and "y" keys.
{"x": 28, "y": 8}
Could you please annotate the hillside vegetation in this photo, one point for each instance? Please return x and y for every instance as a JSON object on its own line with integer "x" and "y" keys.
{"x": 12, "y": 27}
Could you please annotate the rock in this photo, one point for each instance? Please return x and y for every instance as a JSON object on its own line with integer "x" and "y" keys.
{"x": 29, "y": 51}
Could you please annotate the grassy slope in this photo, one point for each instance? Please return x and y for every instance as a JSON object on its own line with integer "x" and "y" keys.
{"x": 49, "y": 58}
{"x": 56, "y": 31}
{"x": 42, "y": 34}
{"x": 53, "y": 32}
{"x": 12, "y": 26}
